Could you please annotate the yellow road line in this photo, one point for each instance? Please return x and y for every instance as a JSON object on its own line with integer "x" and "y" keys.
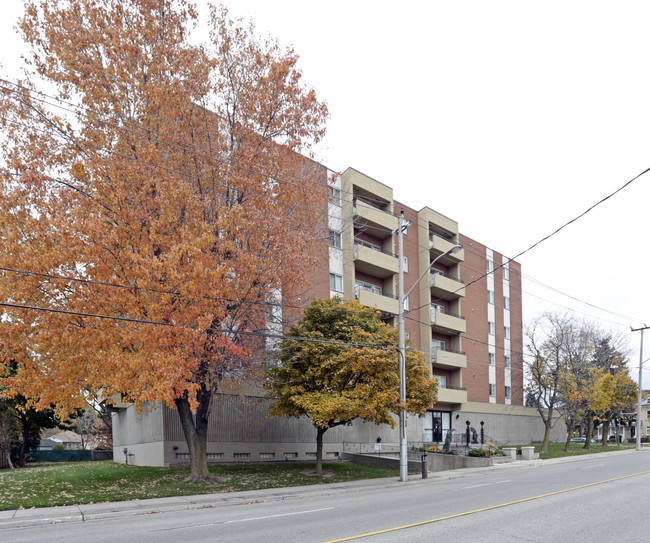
{"x": 465, "y": 513}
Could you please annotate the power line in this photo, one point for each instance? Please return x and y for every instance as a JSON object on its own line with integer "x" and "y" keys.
{"x": 384, "y": 346}
{"x": 176, "y": 293}
{"x": 212, "y": 157}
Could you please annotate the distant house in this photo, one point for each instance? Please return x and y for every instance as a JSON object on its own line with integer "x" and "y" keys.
{"x": 69, "y": 439}
{"x": 46, "y": 444}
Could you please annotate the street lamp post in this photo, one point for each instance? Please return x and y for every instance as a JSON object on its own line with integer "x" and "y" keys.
{"x": 637, "y": 428}
{"x": 403, "y": 459}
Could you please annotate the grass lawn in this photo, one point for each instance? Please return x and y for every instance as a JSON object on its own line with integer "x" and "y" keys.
{"x": 43, "y": 485}
{"x": 556, "y": 450}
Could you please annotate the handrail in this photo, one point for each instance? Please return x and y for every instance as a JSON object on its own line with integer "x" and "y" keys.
{"x": 358, "y": 241}
{"x": 434, "y": 235}
{"x": 435, "y": 272}
{"x": 447, "y": 387}
{"x": 444, "y": 349}
{"x": 433, "y": 310}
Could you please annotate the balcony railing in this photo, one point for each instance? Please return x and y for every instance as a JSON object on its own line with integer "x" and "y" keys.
{"x": 434, "y": 350}
{"x": 433, "y": 237}
{"x": 369, "y": 203}
{"x": 371, "y": 298}
{"x": 433, "y": 273}
{"x": 435, "y": 310}
{"x": 447, "y": 387}
{"x": 372, "y": 246}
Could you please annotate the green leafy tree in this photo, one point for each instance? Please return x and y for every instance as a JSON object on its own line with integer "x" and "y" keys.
{"x": 613, "y": 395}
{"x": 21, "y": 422}
{"x": 610, "y": 394}
{"x": 335, "y": 383}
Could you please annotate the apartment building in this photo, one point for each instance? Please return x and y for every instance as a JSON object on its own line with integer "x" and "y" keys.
{"x": 465, "y": 314}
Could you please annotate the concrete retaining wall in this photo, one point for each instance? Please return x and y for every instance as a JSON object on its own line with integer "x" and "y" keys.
{"x": 380, "y": 461}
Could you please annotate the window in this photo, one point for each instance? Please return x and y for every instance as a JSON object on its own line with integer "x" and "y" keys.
{"x": 405, "y": 263}
{"x": 493, "y": 389}
{"x": 335, "y": 196}
{"x": 507, "y": 392}
{"x": 335, "y": 239}
{"x": 407, "y": 304}
{"x": 490, "y": 266}
{"x": 491, "y": 328}
{"x": 442, "y": 380}
{"x": 506, "y": 332}
{"x": 490, "y": 296}
{"x": 438, "y": 308}
{"x": 492, "y": 359}
{"x": 506, "y": 273}
{"x": 336, "y": 282}
{"x": 507, "y": 361}
{"x": 506, "y": 302}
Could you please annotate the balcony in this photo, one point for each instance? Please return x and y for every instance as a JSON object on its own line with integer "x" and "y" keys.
{"x": 385, "y": 304}
{"x": 448, "y": 322}
{"x": 449, "y": 359}
{"x": 373, "y": 220}
{"x": 443, "y": 286}
{"x": 452, "y": 395}
{"x": 439, "y": 245}
{"x": 373, "y": 261}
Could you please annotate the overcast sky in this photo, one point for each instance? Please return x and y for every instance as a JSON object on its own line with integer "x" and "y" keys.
{"x": 509, "y": 117}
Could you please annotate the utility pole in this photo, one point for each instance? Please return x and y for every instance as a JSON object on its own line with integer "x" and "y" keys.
{"x": 401, "y": 225}
{"x": 640, "y": 393}
{"x": 403, "y": 459}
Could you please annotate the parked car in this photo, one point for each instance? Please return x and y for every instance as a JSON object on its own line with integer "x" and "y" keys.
{"x": 578, "y": 439}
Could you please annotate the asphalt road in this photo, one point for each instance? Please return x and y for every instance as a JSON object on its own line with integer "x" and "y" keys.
{"x": 595, "y": 498}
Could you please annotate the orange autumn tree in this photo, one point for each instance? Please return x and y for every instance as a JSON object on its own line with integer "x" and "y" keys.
{"x": 344, "y": 368}
{"x": 152, "y": 205}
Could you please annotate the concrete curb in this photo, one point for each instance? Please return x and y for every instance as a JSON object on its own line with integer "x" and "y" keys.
{"x": 18, "y": 518}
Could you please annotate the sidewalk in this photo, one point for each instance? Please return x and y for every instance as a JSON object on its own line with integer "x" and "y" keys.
{"x": 81, "y": 513}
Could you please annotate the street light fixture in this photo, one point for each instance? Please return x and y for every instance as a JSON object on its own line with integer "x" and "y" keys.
{"x": 403, "y": 460}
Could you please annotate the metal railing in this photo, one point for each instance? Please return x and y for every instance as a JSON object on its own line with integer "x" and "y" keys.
{"x": 433, "y": 273}
{"x": 448, "y": 240}
{"x": 444, "y": 349}
{"x": 358, "y": 241}
{"x": 434, "y": 311}
{"x": 448, "y": 387}
{"x": 370, "y": 204}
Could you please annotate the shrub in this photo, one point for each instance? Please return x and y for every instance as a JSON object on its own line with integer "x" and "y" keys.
{"x": 434, "y": 449}
{"x": 59, "y": 447}
{"x": 477, "y": 452}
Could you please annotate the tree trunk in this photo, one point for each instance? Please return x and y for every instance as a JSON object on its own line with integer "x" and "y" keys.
{"x": 24, "y": 446}
{"x": 569, "y": 433}
{"x": 195, "y": 429}
{"x": 8, "y": 457}
{"x": 590, "y": 430}
{"x": 548, "y": 424}
{"x": 319, "y": 449}
{"x": 605, "y": 433}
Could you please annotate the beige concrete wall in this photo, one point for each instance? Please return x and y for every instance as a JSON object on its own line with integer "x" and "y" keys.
{"x": 141, "y": 454}
{"x": 240, "y": 431}
{"x": 131, "y": 427}
{"x": 507, "y": 424}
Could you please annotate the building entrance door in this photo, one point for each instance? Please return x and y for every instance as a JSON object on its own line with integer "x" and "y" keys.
{"x": 435, "y": 426}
